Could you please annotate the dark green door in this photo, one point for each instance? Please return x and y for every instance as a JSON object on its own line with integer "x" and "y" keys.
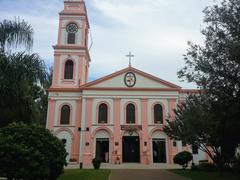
{"x": 131, "y": 149}
{"x": 159, "y": 150}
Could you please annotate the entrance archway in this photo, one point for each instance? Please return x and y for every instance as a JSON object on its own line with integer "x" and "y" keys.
{"x": 131, "y": 148}
{"x": 159, "y": 147}
{"x": 102, "y": 146}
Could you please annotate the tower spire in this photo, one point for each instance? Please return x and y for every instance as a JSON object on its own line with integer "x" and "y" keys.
{"x": 71, "y": 52}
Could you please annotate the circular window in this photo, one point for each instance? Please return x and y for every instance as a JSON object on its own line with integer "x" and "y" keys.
{"x": 130, "y": 79}
{"x": 72, "y": 28}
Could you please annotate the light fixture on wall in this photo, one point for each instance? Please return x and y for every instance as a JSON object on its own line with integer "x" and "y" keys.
{"x": 82, "y": 130}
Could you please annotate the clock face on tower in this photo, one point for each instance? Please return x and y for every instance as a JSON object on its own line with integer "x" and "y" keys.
{"x": 72, "y": 28}
{"x": 130, "y": 79}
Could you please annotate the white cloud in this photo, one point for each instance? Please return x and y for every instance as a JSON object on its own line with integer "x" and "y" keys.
{"x": 156, "y": 31}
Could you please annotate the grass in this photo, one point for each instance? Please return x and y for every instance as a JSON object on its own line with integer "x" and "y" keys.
{"x": 202, "y": 175}
{"x": 75, "y": 174}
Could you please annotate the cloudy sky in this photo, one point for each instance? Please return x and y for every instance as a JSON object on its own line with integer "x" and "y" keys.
{"x": 156, "y": 31}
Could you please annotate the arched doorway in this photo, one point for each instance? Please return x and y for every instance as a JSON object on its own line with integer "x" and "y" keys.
{"x": 131, "y": 147}
{"x": 102, "y": 144}
{"x": 66, "y": 138}
{"x": 159, "y": 147}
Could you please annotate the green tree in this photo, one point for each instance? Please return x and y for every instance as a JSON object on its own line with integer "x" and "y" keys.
{"x": 215, "y": 68}
{"x": 15, "y": 33}
{"x": 21, "y": 79}
{"x": 30, "y": 152}
{"x": 23, "y": 76}
{"x": 42, "y": 103}
{"x": 194, "y": 124}
{"x": 183, "y": 158}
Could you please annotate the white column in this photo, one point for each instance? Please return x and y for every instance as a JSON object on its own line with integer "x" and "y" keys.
{"x": 179, "y": 146}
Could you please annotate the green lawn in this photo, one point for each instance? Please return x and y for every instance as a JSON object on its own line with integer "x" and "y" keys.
{"x": 200, "y": 175}
{"x": 77, "y": 174}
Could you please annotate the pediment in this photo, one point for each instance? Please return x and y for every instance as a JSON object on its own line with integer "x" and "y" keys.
{"x": 142, "y": 80}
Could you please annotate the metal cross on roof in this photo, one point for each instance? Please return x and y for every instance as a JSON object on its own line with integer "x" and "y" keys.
{"x": 130, "y": 56}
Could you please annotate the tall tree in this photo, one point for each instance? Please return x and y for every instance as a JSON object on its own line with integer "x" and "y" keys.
{"x": 15, "y": 33}
{"x": 194, "y": 123}
{"x": 215, "y": 68}
{"x": 42, "y": 102}
{"x": 22, "y": 75}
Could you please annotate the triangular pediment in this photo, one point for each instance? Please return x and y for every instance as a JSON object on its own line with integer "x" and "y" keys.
{"x": 142, "y": 80}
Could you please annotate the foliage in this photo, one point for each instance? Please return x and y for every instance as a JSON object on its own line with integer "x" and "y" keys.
{"x": 204, "y": 165}
{"x": 194, "y": 124}
{"x": 183, "y": 158}
{"x": 215, "y": 68}
{"x": 203, "y": 161}
{"x": 15, "y": 33}
{"x": 210, "y": 167}
{"x": 85, "y": 174}
{"x": 23, "y": 76}
{"x": 200, "y": 175}
{"x": 42, "y": 102}
{"x": 236, "y": 163}
{"x": 194, "y": 167}
{"x": 30, "y": 152}
{"x": 96, "y": 163}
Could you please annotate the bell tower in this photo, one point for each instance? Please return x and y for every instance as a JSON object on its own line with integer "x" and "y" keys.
{"x": 71, "y": 54}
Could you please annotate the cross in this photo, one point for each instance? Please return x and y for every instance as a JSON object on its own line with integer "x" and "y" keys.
{"x": 130, "y": 56}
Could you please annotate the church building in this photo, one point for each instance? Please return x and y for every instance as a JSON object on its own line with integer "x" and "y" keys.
{"x": 118, "y": 118}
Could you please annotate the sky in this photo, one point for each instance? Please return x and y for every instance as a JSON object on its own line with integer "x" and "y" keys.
{"x": 155, "y": 31}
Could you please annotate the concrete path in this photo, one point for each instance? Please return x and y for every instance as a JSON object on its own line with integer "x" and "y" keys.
{"x": 131, "y": 166}
{"x": 153, "y": 174}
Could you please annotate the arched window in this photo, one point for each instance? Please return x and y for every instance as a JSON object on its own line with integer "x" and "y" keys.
{"x": 158, "y": 114}
{"x": 71, "y": 38}
{"x": 130, "y": 114}
{"x": 68, "y": 71}
{"x": 103, "y": 113}
{"x": 65, "y": 115}
{"x": 72, "y": 29}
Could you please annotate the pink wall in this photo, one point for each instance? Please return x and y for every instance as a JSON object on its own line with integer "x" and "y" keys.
{"x": 172, "y": 150}
{"x": 87, "y": 150}
{"x": 51, "y": 108}
{"x": 117, "y": 137}
{"x": 56, "y": 70}
{"x": 76, "y": 145}
{"x": 145, "y": 154}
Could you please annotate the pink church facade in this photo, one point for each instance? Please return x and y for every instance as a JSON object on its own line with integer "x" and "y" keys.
{"x": 118, "y": 118}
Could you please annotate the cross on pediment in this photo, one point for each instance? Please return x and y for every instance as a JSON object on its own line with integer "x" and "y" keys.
{"x": 130, "y": 56}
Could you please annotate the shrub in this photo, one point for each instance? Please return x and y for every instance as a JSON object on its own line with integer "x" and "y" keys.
{"x": 194, "y": 167}
{"x": 236, "y": 163}
{"x": 204, "y": 166}
{"x": 203, "y": 161}
{"x": 207, "y": 167}
{"x": 96, "y": 163}
{"x": 30, "y": 152}
{"x": 183, "y": 158}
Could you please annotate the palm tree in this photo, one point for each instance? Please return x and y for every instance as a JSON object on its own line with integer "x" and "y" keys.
{"x": 21, "y": 87}
{"x": 22, "y": 75}
{"x": 14, "y": 33}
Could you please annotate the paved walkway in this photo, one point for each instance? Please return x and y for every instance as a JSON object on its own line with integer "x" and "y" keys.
{"x": 153, "y": 174}
{"x": 131, "y": 166}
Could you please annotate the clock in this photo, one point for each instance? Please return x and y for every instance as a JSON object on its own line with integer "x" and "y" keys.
{"x": 72, "y": 28}
{"x": 130, "y": 79}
